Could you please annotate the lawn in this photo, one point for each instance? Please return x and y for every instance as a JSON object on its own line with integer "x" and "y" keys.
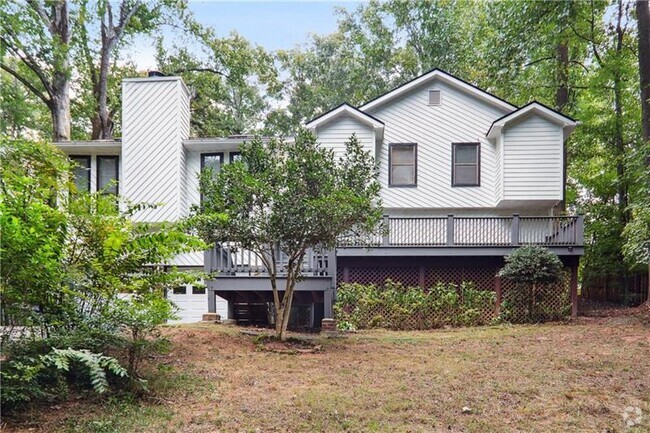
{"x": 578, "y": 376}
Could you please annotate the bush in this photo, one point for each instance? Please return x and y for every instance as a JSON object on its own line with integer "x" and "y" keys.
{"x": 45, "y": 377}
{"x": 535, "y": 273}
{"x": 395, "y": 306}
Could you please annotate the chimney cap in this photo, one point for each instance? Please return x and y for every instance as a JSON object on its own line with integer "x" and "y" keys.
{"x": 155, "y": 74}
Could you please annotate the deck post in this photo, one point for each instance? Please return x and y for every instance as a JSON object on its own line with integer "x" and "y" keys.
{"x": 450, "y": 229}
{"x": 514, "y": 240}
{"x": 328, "y": 302}
{"x": 574, "y": 289}
{"x": 212, "y": 301}
{"x": 385, "y": 240}
{"x": 422, "y": 279}
{"x": 580, "y": 231}
{"x": 497, "y": 291}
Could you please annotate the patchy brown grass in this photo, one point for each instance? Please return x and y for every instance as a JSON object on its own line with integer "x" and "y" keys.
{"x": 544, "y": 378}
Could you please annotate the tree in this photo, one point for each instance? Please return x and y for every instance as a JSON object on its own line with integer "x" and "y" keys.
{"x": 233, "y": 80}
{"x": 643, "y": 19}
{"x": 86, "y": 250}
{"x": 287, "y": 197}
{"x": 95, "y": 55}
{"x": 530, "y": 268}
{"x": 38, "y": 36}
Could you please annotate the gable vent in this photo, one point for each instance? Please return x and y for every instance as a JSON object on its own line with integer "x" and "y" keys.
{"x": 434, "y": 97}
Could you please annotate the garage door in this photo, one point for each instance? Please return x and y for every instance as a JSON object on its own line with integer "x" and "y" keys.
{"x": 192, "y": 303}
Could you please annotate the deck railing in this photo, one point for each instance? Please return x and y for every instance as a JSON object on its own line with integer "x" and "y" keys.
{"x": 452, "y": 231}
{"x": 229, "y": 259}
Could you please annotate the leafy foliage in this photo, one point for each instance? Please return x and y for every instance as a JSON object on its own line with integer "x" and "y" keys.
{"x": 97, "y": 365}
{"x": 288, "y": 197}
{"x": 533, "y": 270}
{"x": 395, "y": 306}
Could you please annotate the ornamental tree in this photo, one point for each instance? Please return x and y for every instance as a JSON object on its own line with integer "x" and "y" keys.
{"x": 531, "y": 267}
{"x": 289, "y": 196}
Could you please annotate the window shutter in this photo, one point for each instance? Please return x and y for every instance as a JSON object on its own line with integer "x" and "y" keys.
{"x": 434, "y": 97}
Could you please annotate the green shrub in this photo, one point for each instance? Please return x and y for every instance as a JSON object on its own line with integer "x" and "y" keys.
{"x": 46, "y": 377}
{"x": 535, "y": 273}
{"x": 395, "y": 306}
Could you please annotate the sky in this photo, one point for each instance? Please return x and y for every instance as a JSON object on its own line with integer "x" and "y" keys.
{"x": 271, "y": 24}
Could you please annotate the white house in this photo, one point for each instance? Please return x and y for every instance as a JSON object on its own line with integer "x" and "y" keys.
{"x": 466, "y": 177}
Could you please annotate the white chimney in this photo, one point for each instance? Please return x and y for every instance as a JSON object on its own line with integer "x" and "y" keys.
{"x": 155, "y": 121}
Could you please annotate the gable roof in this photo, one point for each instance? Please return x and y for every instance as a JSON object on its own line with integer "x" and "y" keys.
{"x": 445, "y": 77}
{"x": 568, "y": 124}
{"x": 345, "y": 109}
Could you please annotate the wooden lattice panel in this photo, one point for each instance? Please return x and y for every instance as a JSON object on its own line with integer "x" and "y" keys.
{"x": 551, "y": 302}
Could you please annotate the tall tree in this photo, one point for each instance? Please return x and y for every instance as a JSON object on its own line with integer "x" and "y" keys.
{"x": 38, "y": 35}
{"x": 643, "y": 20}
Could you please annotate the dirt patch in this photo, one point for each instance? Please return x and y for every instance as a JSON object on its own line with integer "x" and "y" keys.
{"x": 292, "y": 346}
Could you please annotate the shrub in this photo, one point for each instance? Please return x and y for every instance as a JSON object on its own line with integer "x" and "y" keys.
{"x": 535, "y": 272}
{"x": 27, "y": 378}
{"x": 395, "y": 306}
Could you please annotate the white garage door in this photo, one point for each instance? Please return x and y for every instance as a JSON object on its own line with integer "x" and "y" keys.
{"x": 192, "y": 303}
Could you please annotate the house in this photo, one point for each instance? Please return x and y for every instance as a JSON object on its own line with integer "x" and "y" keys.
{"x": 466, "y": 178}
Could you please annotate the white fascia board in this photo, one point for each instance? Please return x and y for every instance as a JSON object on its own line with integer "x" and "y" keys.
{"x": 534, "y": 108}
{"x": 89, "y": 146}
{"x": 348, "y": 110}
{"x": 446, "y": 78}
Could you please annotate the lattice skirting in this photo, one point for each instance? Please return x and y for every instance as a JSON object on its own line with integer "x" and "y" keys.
{"x": 552, "y": 303}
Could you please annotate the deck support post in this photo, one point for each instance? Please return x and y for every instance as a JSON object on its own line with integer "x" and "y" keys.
{"x": 212, "y": 301}
{"x": 422, "y": 279}
{"x": 450, "y": 229}
{"x": 328, "y": 302}
{"x": 574, "y": 289}
{"x": 499, "y": 296}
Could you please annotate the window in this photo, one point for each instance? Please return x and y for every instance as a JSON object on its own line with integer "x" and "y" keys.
{"x": 212, "y": 161}
{"x": 403, "y": 164}
{"x": 81, "y": 172}
{"x": 235, "y": 156}
{"x": 434, "y": 97}
{"x": 200, "y": 290}
{"x": 180, "y": 290}
{"x": 107, "y": 174}
{"x": 465, "y": 168}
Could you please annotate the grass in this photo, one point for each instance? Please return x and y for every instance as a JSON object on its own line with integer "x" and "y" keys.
{"x": 544, "y": 378}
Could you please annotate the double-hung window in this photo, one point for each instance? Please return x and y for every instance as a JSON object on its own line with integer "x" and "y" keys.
{"x": 81, "y": 172}
{"x": 108, "y": 174}
{"x": 403, "y": 164}
{"x": 465, "y": 164}
{"x": 212, "y": 161}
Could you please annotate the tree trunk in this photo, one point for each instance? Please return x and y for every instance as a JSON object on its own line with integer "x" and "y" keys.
{"x": 60, "y": 110}
{"x": 561, "y": 100}
{"x": 643, "y": 19}
{"x": 619, "y": 143}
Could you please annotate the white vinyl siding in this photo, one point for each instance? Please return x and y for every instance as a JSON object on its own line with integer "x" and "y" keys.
{"x": 155, "y": 121}
{"x": 336, "y": 133}
{"x": 461, "y": 118}
{"x": 532, "y": 160}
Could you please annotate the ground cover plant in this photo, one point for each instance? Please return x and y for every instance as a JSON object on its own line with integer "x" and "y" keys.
{"x": 580, "y": 376}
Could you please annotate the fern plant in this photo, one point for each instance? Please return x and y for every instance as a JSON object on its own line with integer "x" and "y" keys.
{"x": 96, "y": 364}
